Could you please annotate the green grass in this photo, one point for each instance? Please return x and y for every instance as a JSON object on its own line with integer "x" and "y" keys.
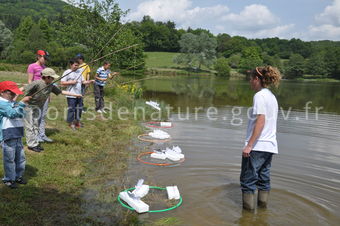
{"x": 162, "y": 63}
{"x": 76, "y": 180}
{"x": 13, "y": 67}
{"x": 160, "y": 60}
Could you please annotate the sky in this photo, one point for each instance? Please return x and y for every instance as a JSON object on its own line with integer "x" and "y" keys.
{"x": 304, "y": 19}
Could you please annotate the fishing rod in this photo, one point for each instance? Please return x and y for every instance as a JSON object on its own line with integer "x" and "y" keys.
{"x": 110, "y": 39}
{"x": 81, "y": 67}
{"x": 123, "y": 83}
{"x": 114, "y": 52}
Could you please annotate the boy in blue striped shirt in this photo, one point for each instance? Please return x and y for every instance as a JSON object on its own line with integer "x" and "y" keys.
{"x": 11, "y": 133}
{"x": 103, "y": 73}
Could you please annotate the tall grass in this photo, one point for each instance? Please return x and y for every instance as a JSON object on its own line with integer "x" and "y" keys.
{"x": 76, "y": 180}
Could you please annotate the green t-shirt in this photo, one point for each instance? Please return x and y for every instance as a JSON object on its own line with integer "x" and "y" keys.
{"x": 40, "y": 98}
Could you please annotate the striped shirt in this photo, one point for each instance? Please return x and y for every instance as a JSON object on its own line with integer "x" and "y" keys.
{"x": 102, "y": 73}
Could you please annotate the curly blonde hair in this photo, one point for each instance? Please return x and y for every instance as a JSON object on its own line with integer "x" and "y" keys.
{"x": 268, "y": 75}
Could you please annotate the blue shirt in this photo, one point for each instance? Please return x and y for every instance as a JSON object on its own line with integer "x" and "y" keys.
{"x": 11, "y": 119}
{"x": 102, "y": 73}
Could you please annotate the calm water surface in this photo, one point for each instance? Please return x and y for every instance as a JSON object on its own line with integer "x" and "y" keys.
{"x": 305, "y": 174}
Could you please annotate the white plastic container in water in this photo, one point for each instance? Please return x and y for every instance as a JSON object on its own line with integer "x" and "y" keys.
{"x": 137, "y": 204}
{"x": 159, "y": 134}
{"x": 153, "y": 104}
{"x": 158, "y": 155}
{"x": 173, "y": 192}
{"x": 141, "y": 191}
{"x": 166, "y": 124}
{"x": 177, "y": 149}
{"x": 172, "y": 155}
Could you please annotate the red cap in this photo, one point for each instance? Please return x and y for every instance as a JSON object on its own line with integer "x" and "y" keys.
{"x": 41, "y": 53}
{"x": 11, "y": 86}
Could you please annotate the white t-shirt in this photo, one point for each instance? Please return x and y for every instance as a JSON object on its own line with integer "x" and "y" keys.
{"x": 75, "y": 75}
{"x": 265, "y": 103}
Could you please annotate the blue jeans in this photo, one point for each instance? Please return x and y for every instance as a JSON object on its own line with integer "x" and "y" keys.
{"x": 99, "y": 96}
{"x": 13, "y": 158}
{"x": 255, "y": 172}
{"x": 74, "y": 109}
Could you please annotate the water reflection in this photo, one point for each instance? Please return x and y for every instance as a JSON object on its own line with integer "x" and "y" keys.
{"x": 305, "y": 174}
{"x": 207, "y": 91}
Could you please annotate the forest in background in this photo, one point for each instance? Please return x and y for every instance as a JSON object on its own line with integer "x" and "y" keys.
{"x": 65, "y": 30}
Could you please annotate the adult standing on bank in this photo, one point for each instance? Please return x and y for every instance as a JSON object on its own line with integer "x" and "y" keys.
{"x": 34, "y": 73}
{"x": 261, "y": 141}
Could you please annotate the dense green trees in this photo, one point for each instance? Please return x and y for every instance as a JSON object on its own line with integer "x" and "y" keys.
{"x": 12, "y": 11}
{"x": 157, "y": 36}
{"x": 197, "y": 50}
{"x": 6, "y": 38}
{"x": 295, "y": 67}
{"x": 87, "y": 28}
{"x": 65, "y": 30}
{"x": 222, "y": 67}
{"x": 250, "y": 58}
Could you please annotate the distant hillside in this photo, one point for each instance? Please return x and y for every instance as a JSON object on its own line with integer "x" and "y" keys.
{"x": 11, "y": 11}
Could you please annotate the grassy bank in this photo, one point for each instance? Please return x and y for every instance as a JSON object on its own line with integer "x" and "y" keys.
{"x": 76, "y": 180}
{"x": 161, "y": 63}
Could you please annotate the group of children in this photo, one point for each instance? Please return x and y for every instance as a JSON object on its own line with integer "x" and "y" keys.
{"x": 30, "y": 112}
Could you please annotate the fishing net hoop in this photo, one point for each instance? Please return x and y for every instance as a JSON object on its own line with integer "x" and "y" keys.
{"x": 150, "y": 211}
{"x": 156, "y": 164}
{"x": 140, "y": 137}
{"x": 153, "y": 124}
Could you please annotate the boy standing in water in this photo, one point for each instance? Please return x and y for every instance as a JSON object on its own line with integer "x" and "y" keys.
{"x": 261, "y": 141}
{"x": 11, "y": 133}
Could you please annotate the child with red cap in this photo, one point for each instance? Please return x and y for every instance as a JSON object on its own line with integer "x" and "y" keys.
{"x": 11, "y": 133}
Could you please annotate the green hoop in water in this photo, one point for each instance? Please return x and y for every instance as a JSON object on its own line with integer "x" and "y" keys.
{"x": 151, "y": 211}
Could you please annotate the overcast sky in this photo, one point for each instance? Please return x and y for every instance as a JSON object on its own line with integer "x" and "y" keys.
{"x": 305, "y": 19}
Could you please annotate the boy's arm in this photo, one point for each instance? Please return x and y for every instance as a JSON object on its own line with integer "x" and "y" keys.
{"x": 101, "y": 79}
{"x": 14, "y": 112}
{"x": 88, "y": 82}
{"x": 111, "y": 75}
{"x": 70, "y": 94}
{"x": 70, "y": 82}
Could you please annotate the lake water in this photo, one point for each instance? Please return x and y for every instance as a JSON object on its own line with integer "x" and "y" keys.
{"x": 305, "y": 175}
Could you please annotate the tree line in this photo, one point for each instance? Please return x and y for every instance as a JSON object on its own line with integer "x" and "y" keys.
{"x": 293, "y": 57}
{"x": 88, "y": 28}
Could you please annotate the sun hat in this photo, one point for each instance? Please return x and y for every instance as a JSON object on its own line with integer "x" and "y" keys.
{"x": 49, "y": 72}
